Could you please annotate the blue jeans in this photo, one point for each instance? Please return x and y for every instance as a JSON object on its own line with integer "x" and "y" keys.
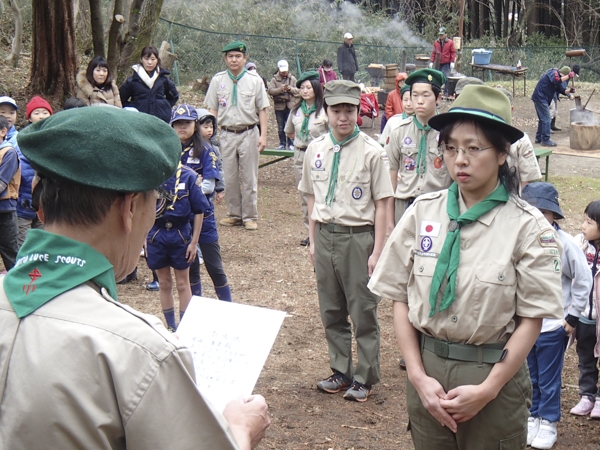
{"x": 544, "y": 120}
{"x": 445, "y": 68}
{"x": 282, "y": 117}
{"x": 545, "y": 361}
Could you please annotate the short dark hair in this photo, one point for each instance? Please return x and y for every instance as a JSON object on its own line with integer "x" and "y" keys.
{"x": 327, "y": 63}
{"x": 69, "y": 203}
{"x": 149, "y": 51}
{"x": 508, "y": 175}
{"x": 3, "y": 123}
{"x": 593, "y": 212}
{"x": 98, "y": 61}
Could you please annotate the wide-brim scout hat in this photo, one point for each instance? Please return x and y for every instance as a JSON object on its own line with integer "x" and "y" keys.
{"x": 543, "y": 196}
{"x": 309, "y": 75}
{"x": 482, "y": 104}
{"x": 429, "y": 76}
{"x": 184, "y": 112}
{"x": 337, "y": 92}
{"x": 105, "y": 148}
{"x": 236, "y": 46}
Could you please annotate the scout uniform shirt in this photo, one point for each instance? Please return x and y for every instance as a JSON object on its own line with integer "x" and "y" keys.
{"x": 522, "y": 156}
{"x": 362, "y": 179}
{"x": 318, "y": 125}
{"x": 509, "y": 265}
{"x": 402, "y": 147}
{"x": 252, "y": 98}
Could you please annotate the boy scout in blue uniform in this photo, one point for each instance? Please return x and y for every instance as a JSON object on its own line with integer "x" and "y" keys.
{"x": 172, "y": 243}
{"x": 238, "y": 100}
{"x": 347, "y": 187}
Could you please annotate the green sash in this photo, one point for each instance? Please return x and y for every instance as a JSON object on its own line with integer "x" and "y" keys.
{"x": 48, "y": 265}
{"x": 449, "y": 258}
{"x": 422, "y": 155}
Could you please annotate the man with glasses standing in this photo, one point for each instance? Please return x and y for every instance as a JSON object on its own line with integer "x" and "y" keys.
{"x": 238, "y": 99}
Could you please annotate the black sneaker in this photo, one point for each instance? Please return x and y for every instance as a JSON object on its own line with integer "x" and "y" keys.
{"x": 549, "y": 143}
{"x": 538, "y": 141}
{"x": 358, "y": 392}
{"x": 335, "y": 383}
{"x": 132, "y": 276}
{"x": 305, "y": 242}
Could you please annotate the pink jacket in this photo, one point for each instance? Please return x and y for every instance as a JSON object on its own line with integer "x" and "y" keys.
{"x": 325, "y": 76}
{"x": 589, "y": 252}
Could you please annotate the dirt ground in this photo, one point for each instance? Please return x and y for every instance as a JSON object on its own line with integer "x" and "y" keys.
{"x": 268, "y": 268}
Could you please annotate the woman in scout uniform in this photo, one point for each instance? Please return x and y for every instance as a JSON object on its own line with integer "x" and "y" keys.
{"x": 306, "y": 122}
{"x": 346, "y": 182}
{"x": 472, "y": 271}
{"x": 238, "y": 100}
{"x": 199, "y": 156}
{"x": 172, "y": 240}
{"x": 416, "y": 165}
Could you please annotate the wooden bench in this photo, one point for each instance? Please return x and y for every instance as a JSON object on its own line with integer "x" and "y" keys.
{"x": 544, "y": 153}
{"x": 283, "y": 154}
{"x": 504, "y": 70}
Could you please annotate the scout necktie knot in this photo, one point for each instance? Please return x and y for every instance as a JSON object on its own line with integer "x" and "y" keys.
{"x": 449, "y": 258}
{"x": 333, "y": 176}
{"x": 422, "y": 155}
{"x": 235, "y": 80}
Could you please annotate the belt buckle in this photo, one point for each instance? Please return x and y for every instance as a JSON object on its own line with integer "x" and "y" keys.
{"x": 441, "y": 349}
{"x": 168, "y": 225}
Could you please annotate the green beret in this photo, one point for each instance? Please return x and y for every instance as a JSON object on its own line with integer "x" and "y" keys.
{"x": 310, "y": 75}
{"x": 483, "y": 104}
{"x": 404, "y": 89}
{"x": 237, "y": 46}
{"x": 106, "y": 148}
{"x": 467, "y": 81}
{"x": 341, "y": 91}
{"x": 430, "y": 76}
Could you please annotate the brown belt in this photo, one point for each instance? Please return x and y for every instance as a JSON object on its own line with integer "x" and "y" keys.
{"x": 238, "y": 130}
{"x": 334, "y": 228}
{"x": 302, "y": 149}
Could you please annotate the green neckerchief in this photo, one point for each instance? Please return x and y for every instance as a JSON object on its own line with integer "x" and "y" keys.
{"x": 422, "y": 155}
{"x": 235, "y": 82}
{"x": 48, "y": 265}
{"x": 307, "y": 112}
{"x": 448, "y": 260}
{"x": 404, "y": 115}
{"x": 337, "y": 148}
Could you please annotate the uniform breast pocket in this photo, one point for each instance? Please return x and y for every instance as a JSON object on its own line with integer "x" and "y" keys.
{"x": 223, "y": 98}
{"x": 247, "y": 99}
{"x": 494, "y": 294}
{"x": 436, "y": 162}
{"x": 361, "y": 187}
{"x": 320, "y": 182}
{"x": 422, "y": 275}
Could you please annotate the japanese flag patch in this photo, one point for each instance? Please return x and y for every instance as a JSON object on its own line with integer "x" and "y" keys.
{"x": 429, "y": 228}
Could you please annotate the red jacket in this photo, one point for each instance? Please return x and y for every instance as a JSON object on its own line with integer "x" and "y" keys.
{"x": 393, "y": 104}
{"x": 446, "y": 49}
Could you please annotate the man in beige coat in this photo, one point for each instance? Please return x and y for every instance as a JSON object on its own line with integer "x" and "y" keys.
{"x": 77, "y": 368}
{"x": 283, "y": 90}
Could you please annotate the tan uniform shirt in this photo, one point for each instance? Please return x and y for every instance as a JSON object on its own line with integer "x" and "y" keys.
{"x": 390, "y": 125}
{"x": 402, "y": 148}
{"x": 252, "y": 98}
{"x": 522, "y": 156}
{"x": 509, "y": 266}
{"x": 86, "y": 372}
{"x": 362, "y": 179}
{"x": 318, "y": 125}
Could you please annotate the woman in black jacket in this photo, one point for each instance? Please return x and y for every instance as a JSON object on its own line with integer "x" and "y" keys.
{"x": 149, "y": 89}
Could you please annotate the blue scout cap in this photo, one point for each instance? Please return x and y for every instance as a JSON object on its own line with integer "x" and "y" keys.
{"x": 184, "y": 112}
{"x": 542, "y": 196}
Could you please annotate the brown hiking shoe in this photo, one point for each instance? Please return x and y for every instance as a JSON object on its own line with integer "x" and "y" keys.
{"x": 250, "y": 225}
{"x": 231, "y": 222}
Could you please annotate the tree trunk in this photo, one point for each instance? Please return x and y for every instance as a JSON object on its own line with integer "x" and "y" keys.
{"x": 531, "y": 11}
{"x": 97, "y": 27}
{"x": 506, "y": 10}
{"x": 498, "y": 18}
{"x": 484, "y": 14}
{"x": 54, "y": 56}
{"x": 17, "y": 42}
{"x": 115, "y": 35}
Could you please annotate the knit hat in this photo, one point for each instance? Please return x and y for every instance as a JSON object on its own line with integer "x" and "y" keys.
{"x": 565, "y": 70}
{"x": 106, "y": 148}
{"x": 250, "y": 65}
{"x": 35, "y": 103}
{"x": 483, "y": 104}
{"x": 341, "y": 91}
{"x": 543, "y": 196}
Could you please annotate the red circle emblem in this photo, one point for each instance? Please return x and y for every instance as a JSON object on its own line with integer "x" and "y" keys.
{"x": 429, "y": 228}
{"x": 438, "y": 162}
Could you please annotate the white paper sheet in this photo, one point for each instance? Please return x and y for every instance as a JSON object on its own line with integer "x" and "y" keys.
{"x": 230, "y": 343}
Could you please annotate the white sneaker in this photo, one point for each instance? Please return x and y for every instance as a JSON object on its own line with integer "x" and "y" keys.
{"x": 546, "y": 436}
{"x": 533, "y": 426}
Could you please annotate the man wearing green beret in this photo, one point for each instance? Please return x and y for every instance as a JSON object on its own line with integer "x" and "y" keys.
{"x": 81, "y": 370}
{"x": 237, "y": 98}
{"x": 416, "y": 164}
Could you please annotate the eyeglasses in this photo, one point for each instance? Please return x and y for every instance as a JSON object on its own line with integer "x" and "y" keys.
{"x": 163, "y": 200}
{"x": 450, "y": 151}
